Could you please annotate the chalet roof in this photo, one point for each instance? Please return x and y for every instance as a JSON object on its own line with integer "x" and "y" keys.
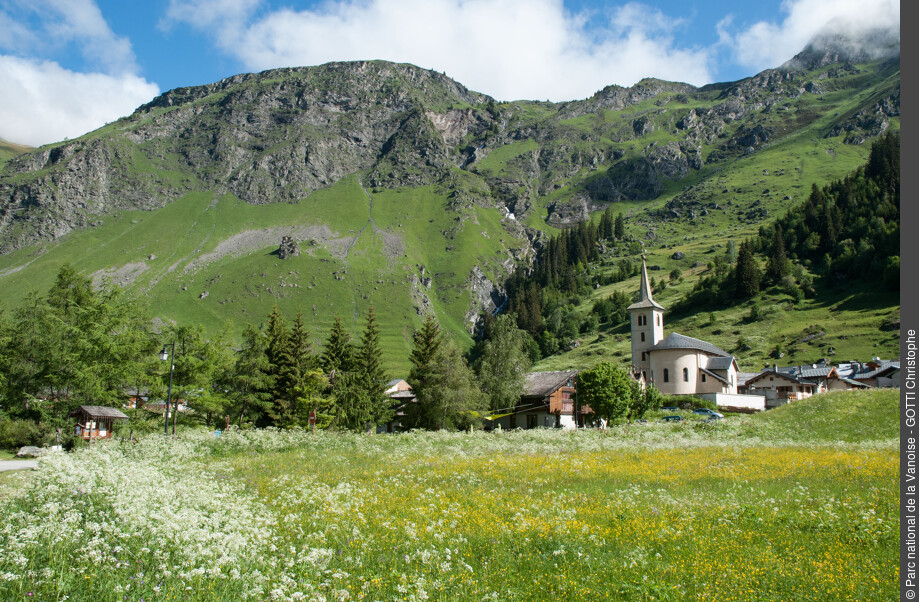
{"x": 393, "y": 382}
{"x": 644, "y": 291}
{"x": 854, "y": 383}
{"x": 885, "y": 367}
{"x": 541, "y": 384}
{"x": 99, "y": 412}
{"x": 680, "y": 341}
{"x": 744, "y": 377}
{"x": 810, "y": 371}
{"x": 786, "y": 375}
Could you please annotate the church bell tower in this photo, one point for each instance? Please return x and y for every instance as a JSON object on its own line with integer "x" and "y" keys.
{"x": 647, "y": 318}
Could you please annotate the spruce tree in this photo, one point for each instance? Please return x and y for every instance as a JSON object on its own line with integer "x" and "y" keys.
{"x": 372, "y": 374}
{"x": 777, "y": 266}
{"x": 619, "y": 229}
{"x": 746, "y": 274}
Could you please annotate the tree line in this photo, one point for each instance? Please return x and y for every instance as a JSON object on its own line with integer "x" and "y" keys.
{"x": 544, "y": 296}
{"x": 846, "y": 231}
{"x": 83, "y": 345}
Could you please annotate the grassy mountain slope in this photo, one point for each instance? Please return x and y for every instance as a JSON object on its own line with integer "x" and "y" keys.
{"x": 408, "y": 192}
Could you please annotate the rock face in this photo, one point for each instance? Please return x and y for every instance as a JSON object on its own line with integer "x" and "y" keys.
{"x": 289, "y": 248}
{"x": 280, "y": 135}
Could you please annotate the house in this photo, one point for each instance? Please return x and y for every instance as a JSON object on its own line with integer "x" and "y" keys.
{"x": 780, "y": 387}
{"x": 549, "y": 400}
{"x": 876, "y": 373}
{"x": 95, "y": 422}
{"x": 677, "y": 364}
{"x": 401, "y": 394}
{"x": 827, "y": 377}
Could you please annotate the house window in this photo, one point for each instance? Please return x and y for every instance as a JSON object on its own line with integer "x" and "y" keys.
{"x": 686, "y": 375}
{"x": 531, "y": 421}
{"x": 642, "y": 337}
{"x": 666, "y": 375}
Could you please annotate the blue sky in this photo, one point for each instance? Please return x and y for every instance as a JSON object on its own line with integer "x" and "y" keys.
{"x": 70, "y": 66}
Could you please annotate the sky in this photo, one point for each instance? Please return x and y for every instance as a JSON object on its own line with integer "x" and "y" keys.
{"x": 68, "y": 67}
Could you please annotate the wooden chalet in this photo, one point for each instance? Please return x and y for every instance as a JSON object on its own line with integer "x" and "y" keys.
{"x": 95, "y": 422}
{"x": 549, "y": 400}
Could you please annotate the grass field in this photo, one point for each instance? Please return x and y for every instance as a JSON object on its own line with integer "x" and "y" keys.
{"x": 659, "y": 511}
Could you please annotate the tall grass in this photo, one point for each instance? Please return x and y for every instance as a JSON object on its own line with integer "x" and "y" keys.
{"x": 751, "y": 508}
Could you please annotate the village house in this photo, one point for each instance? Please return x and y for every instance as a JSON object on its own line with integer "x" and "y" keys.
{"x": 549, "y": 400}
{"x": 96, "y": 422}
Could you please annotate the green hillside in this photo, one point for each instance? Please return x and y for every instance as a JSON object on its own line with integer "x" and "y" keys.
{"x": 410, "y": 193}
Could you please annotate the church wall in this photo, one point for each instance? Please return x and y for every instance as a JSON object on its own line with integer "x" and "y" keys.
{"x": 674, "y": 360}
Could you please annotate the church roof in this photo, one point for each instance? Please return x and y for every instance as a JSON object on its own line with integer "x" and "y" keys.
{"x": 644, "y": 292}
{"x": 680, "y": 341}
{"x": 722, "y": 362}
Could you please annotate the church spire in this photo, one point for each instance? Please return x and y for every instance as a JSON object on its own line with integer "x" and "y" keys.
{"x": 644, "y": 292}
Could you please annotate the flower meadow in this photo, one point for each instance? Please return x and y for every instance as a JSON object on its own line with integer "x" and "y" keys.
{"x": 728, "y": 511}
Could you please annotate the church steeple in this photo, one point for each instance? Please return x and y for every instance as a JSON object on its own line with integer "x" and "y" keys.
{"x": 647, "y": 325}
{"x": 644, "y": 292}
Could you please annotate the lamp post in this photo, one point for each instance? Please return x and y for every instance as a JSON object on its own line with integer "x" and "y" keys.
{"x": 166, "y": 355}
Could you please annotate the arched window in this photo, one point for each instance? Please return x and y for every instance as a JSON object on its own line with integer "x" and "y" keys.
{"x": 658, "y": 319}
{"x": 685, "y": 375}
{"x": 642, "y": 337}
{"x": 666, "y": 375}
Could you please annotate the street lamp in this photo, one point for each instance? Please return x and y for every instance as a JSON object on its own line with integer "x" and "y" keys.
{"x": 165, "y": 355}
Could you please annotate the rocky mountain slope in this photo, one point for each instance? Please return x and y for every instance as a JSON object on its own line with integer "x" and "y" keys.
{"x": 408, "y": 190}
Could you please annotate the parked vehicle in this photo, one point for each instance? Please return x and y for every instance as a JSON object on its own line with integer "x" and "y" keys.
{"x": 673, "y": 418}
{"x": 670, "y": 409}
{"x": 707, "y": 412}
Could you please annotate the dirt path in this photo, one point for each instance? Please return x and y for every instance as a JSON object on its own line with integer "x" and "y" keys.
{"x": 17, "y": 464}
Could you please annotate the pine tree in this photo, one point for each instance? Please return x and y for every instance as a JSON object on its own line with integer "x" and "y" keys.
{"x": 338, "y": 354}
{"x": 372, "y": 374}
{"x": 777, "y": 266}
{"x": 619, "y": 229}
{"x": 746, "y": 274}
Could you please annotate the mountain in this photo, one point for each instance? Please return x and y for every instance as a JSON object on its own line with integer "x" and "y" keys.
{"x": 402, "y": 189}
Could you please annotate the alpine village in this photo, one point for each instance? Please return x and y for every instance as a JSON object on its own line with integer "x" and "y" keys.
{"x": 354, "y": 331}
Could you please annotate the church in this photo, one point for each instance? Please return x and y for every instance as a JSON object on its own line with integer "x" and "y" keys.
{"x": 676, "y": 364}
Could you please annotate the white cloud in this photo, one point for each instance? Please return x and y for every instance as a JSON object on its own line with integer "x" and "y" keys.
{"x": 769, "y": 44}
{"x": 203, "y": 14}
{"x": 510, "y": 49}
{"x": 42, "y": 102}
{"x": 55, "y": 24}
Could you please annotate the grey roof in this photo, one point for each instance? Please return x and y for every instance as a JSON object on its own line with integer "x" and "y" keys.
{"x": 541, "y": 384}
{"x": 99, "y": 412}
{"x": 393, "y": 382}
{"x": 854, "y": 383}
{"x": 786, "y": 375}
{"x": 680, "y": 341}
{"x": 715, "y": 376}
{"x": 720, "y": 362}
{"x": 809, "y": 371}
{"x": 885, "y": 367}
{"x": 744, "y": 377}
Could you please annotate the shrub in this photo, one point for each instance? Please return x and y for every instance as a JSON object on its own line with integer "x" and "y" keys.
{"x": 17, "y": 433}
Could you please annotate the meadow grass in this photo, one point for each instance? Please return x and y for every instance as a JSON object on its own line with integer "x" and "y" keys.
{"x": 766, "y": 507}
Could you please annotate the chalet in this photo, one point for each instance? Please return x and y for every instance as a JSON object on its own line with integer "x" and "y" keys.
{"x": 401, "y": 394}
{"x": 780, "y": 387}
{"x": 876, "y": 373}
{"x": 95, "y": 422}
{"x": 549, "y": 400}
{"x": 827, "y": 377}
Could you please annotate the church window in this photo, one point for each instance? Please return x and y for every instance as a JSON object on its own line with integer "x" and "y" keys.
{"x": 658, "y": 319}
{"x": 666, "y": 375}
{"x": 703, "y": 377}
{"x": 642, "y": 337}
{"x": 686, "y": 375}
